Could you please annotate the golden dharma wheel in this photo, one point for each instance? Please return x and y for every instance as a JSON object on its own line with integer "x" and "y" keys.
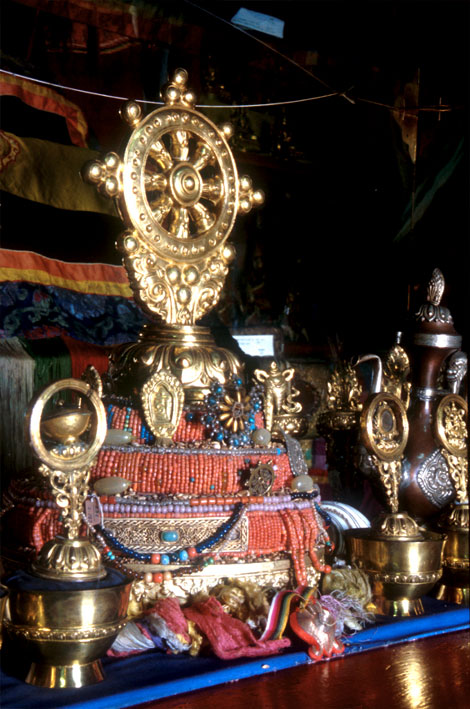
{"x": 178, "y": 190}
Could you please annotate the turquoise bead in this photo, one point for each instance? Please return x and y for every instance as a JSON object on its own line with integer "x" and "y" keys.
{"x": 170, "y": 535}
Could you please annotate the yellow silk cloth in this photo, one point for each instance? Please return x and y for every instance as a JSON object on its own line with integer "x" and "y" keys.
{"x": 49, "y": 173}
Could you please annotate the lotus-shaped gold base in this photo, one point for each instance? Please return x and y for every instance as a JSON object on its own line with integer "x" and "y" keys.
{"x": 64, "y": 633}
{"x": 188, "y": 352}
{"x": 402, "y": 562}
{"x": 69, "y": 560}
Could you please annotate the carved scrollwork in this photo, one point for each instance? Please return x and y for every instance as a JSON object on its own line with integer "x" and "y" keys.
{"x": 344, "y": 390}
{"x": 395, "y": 374}
{"x": 451, "y": 424}
{"x": 70, "y": 490}
{"x": 434, "y": 481}
{"x": 66, "y": 634}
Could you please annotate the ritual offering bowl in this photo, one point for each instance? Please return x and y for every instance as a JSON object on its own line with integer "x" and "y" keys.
{"x": 454, "y": 586}
{"x": 402, "y": 561}
{"x": 64, "y": 629}
{"x": 66, "y": 425}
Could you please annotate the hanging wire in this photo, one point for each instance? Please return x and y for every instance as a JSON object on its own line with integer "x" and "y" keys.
{"x": 441, "y": 108}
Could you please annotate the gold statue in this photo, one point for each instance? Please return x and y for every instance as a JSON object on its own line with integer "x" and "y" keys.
{"x": 278, "y": 393}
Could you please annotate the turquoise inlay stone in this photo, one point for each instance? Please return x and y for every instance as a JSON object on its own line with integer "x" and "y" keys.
{"x": 170, "y": 535}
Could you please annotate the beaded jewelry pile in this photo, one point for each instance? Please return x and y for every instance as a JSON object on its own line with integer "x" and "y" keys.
{"x": 224, "y": 493}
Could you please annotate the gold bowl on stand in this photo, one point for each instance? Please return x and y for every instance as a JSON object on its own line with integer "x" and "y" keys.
{"x": 402, "y": 561}
{"x": 454, "y": 586}
{"x": 65, "y": 632}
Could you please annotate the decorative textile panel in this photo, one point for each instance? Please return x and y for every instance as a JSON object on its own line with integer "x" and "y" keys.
{"x": 42, "y": 297}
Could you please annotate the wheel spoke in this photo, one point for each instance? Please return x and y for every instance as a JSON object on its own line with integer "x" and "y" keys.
{"x": 155, "y": 181}
{"x": 160, "y": 154}
{"x": 203, "y": 219}
{"x": 180, "y": 144}
{"x": 160, "y": 207}
{"x": 179, "y": 226}
{"x": 213, "y": 189}
{"x": 203, "y": 156}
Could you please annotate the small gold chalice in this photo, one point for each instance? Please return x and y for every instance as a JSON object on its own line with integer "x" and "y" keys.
{"x": 65, "y": 613}
{"x": 402, "y": 561}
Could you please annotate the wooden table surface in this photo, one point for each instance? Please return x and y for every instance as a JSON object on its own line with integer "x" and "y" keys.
{"x": 433, "y": 673}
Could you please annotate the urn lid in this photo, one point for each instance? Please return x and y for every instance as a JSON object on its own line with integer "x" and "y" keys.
{"x": 434, "y": 326}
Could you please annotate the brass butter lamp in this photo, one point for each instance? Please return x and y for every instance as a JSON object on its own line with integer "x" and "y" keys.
{"x": 402, "y": 561}
{"x": 66, "y": 613}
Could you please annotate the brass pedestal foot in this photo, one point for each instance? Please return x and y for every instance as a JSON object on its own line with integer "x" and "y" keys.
{"x": 453, "y": 594}
{"x": 404, "y": 607}
{"x": 64, "y": 676}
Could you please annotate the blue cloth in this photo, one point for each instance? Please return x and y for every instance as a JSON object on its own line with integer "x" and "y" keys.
{"x": 36, "y": 311}
{"x": 27, "y": 581}
{"x": 154, "y": 675}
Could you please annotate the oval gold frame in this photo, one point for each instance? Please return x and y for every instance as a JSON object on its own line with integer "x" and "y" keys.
{"x": 439, "y": 423}
{"x": 367, "y": 425}
{"x": 33, "y": 424}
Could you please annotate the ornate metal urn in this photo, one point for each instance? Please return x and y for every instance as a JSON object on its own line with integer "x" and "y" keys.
{"x": 436, "y": 451}
{"x": 424, "y": 372}
{"x": 402, "y": 560}
{"x": 64, "y": 613}
{"x": 178, "y": 191}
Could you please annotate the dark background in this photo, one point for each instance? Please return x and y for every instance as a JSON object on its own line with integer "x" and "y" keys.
{"x": 321, "y": 259}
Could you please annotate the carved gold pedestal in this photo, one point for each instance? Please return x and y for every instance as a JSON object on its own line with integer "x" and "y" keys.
{"x": 402, "y": 562}
{"x": 188, "y": 352}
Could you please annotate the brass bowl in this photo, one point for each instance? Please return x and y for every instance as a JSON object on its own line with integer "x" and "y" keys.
{"x": 66, "y": 425}
{"x": 64, "y": 633}
{"x": 401, "y": 570}
{"x": 454, "y": 586}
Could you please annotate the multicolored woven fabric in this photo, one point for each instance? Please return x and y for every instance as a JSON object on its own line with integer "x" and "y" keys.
{"x": 43, "y": 297}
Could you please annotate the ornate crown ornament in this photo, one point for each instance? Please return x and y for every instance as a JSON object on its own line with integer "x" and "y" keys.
{"x": 179, "y": 193}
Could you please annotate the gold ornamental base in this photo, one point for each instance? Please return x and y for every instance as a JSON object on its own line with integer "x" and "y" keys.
{"x": 452, "y": 594}
{"x": 188, "y": 352}
{"x": 65, "y": 676}
{"x": 454, "y": 586}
